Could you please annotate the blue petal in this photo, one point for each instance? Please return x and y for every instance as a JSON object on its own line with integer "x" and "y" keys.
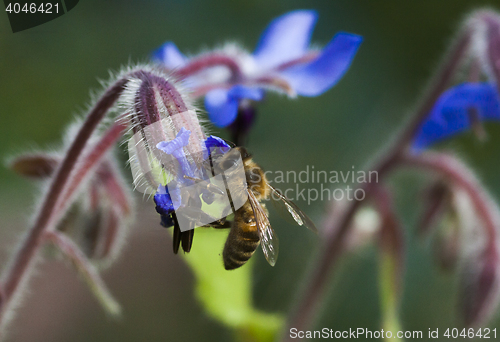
{"x": 167, "y": 201}
{"x": 241, "y": 92}
{"x": 222, "y": 104}
{"x": 286, "y": 38}
{"x": 213, "y": 141}
{"x": 319, "y": 75}
{"x": 170, "y": 56}
{"x": 222, "y": 109}
{"x": 215, "y": 146}
{"x": 451, "y": 113}
{"x": 164, "y": 204}
{"x": 181, "y": 140}
{"x": 174, "y": 147}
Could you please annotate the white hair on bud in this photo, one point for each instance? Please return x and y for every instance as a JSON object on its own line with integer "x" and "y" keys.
{"x": 478, "y": 40}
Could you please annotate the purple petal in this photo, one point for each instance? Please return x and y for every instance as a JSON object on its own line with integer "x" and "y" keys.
{"x": 452, "y": 112}
{"x": 181, "y": 140}
{"x": 222, "y": 104}
{"x": 170, "y": 56}
{"x": 286, "y": 38}
{"x": 319, "y": 75}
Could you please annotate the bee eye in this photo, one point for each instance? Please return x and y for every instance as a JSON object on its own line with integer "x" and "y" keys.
{"x": 253, "y": 178}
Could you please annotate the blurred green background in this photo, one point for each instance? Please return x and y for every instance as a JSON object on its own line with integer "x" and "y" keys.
{"x": 47, "y": 72}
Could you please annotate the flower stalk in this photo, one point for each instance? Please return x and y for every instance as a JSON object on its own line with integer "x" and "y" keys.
{"x": 336, "y": 226}
{"x": 17, "y": 274}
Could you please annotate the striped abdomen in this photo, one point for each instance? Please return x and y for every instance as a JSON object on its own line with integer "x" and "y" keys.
{"x": 243, "y": 239}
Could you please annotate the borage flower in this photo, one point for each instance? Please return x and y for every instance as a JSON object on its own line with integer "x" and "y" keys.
{"x": 463, "y": 107}
{"x": 181, "y": 192}
{"x": 169, "y": 154}
{"x": 459, "y": 109}
{"x": 473, "y": 212}
{"x": 467, "y": 105}
{"x": 232, "y": 78}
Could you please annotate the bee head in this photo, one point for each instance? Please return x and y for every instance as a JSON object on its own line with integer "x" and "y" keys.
{"x": 244, "y": 154}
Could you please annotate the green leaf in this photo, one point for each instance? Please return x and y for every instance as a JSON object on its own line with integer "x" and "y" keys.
{"x": 227, "y": 295}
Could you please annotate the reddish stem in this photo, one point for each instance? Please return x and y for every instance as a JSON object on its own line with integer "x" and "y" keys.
{"x": 90, "y": 161}
{"x": 209, "y": 61}
{"x": 336, "y": 227}
{"x": 113, "y": 186}
{"x": 86, "y": 269}
{"x": 438, "y": 84}
{"x": 25, "y": 256}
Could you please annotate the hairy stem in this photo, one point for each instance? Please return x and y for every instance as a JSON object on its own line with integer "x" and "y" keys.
{"x": 86, "y": 269}
{"x": 337, "y": 226}
{"x": 90, "y": 161}
{"x": 208, "y": 61}
{"x": 24, "y": 258}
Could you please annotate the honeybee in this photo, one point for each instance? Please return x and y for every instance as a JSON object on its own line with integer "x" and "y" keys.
{"x": 251, "y": 226}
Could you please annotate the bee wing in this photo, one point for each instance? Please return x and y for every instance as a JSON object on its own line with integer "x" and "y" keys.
{"x": 268, "y": 238}
{"x": 298, "y": 215}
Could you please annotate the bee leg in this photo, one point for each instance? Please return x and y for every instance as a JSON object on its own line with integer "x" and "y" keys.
{"x": 177, "y": 234}
{"x": 187, "y": 240}
{"x": 221, "y": 225}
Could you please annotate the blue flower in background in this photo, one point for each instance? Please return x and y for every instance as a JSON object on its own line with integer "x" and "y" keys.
{"x": 457, "y": 110}
{"x": 283, "y": 61}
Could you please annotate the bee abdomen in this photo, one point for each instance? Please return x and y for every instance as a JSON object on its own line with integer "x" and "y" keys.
{"x": 239, "y": 247}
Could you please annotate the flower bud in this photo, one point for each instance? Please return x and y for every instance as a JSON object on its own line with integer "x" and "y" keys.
{"x": 157, "y": 110}
{"x": 485, "y": 28}
{"x": 37, "y": 166}
{"x": 170, "y": 156}
{"x": 480, "y": 288}
{"x": 99, "y": 218}
{"x": 365, "y": 227}
{"x": 446, "y": 244}
{"x": 436, "y": 199}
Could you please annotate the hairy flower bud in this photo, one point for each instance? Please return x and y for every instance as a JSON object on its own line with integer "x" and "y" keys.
{"x": 480, "y": 288}
{"x": 479, "y": 284}
{"x": 157, "y": 109}
{"x": 172, "y": 159}
{"x": 436, "y": 198}
{"x": 99, "y": 218}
